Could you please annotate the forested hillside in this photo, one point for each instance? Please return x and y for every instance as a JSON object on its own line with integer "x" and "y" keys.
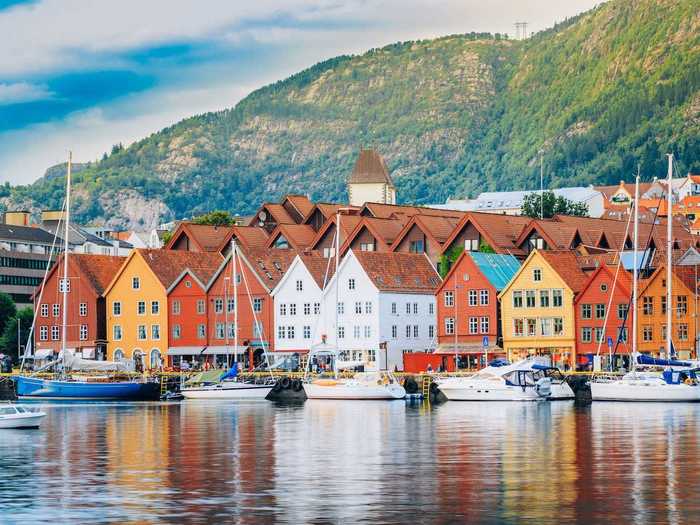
{"x": 596, "y": 95}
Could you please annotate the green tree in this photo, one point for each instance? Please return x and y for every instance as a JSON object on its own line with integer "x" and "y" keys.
{"x": 9, "y": 334}
{"x": 547, "y": 204}
{"x": 8, "y": 310}
{"x": 215, "y": 218}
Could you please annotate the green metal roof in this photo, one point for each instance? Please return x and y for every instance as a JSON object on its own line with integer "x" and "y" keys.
{"x": 498, "y": 269}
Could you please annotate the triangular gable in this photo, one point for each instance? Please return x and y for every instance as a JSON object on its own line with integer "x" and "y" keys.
{"x": 179, "y": 278}
{"x": 358, "y": 229}
{"x": 330, "y": 286}
{"x": 182, "y": 230}
{"x": 116, "y": 277}
{"x": 532, "y": 227}
{"x": 463, "y": 223}
{"x": 241, "y": 257}
{"x": 417, "y": 223}
{"x": 603, "y": 268}
{"x": 524, "y": 266}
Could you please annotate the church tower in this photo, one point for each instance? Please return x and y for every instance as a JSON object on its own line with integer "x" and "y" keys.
{"x": 370, "y": 180}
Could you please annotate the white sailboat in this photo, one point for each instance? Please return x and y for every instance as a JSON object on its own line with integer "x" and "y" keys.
{"x": 231, "y": 386}
{"x": 364, "y": 385}
{"x": 639, "y": 385}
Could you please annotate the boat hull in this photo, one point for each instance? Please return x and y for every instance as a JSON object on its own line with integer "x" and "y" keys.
{"x": 561, "y": 392}
{"x": 27, "y": 420}
{"x": 621, "y": 391}
{"x": 243, "y": 391}
{"x": 490, "y": 394}
{"x": 37, "y": 388}
{"x": 341, "y": 391}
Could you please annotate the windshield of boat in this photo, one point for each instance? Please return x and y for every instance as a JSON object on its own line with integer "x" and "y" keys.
{"x": 7, "y": 411}
{"x": 523, "y": 377}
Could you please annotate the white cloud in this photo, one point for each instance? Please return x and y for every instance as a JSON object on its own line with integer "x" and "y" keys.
{"x": 22, "y": 92}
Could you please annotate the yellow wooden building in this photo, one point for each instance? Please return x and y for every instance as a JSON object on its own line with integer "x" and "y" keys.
{"x": 537, "y": 308}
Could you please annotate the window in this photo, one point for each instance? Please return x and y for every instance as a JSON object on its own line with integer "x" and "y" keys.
{"x": 201, "y": 306}
{"x": 517, "y": 299}
{"x": 290, "y": 332}
{"x": 681, "y": 305}
{"x": 682, "y": 332}
{"x": 603, "y": 287}
{"x": 56, "y": 310}
{"x": 431, "y": 308}
{"x": 307, "y": 332}
{"x": 484, "y": 297}
{"x": 283, "y": 309}
{"x": 293, "y": 309}
{"x": 341, "y": 308}
{"x": 393, "y": 308}
{"x": 394, "y": 331}
{"x": 82, "y": 309}
{"x": 300, "y": 286}
{"x": 55, "y": 333}
{"x": 257, "y": 304}
{"x": 177, "y": 331}
{"x": 358, "y": 307}
{"x": 518, "y": 327}
{"x": 449, "y": 298}
{"x": 408, "y": 331}
{"x": 367, "y": 246}
{"x": 44, "y": 310}
{"x": 231, "y": 305}
{"x": 558, "y": 326}
{"x": 647, "y": 333}
{"x": 600, "y": 311}
{"x": 530, "y": 298}
{"x": 546, "y": 326}
{"x": 473, "y": 325}
{"x": 141, "y": 307}
{"x": 368, "y": 307}
{"x": 449, "y": 325}
{"x": 622, "y": 334}
{"x": 471, "y": 245}
{"x": 537, "y": 275}
{"x": 544, "y": 298}
{"x": 341, "y": 332}
{"x": 328, "y": 252}
{"x": 220, "y": 330}
{"x": 232, "y": 330}
{"x": 557, "y": 298}
{"x": 201, "y": 331}
{"x": 416, "y": 246}
{"x": 368, "y": 332}
{"x": 599, "y": 334}
{"x": 351, "y": 284}
{"x": 663, "y": 305}
{"x": 484, "y": 325}
{"x": 663, "y": 332}
{"x": 117, "y": 332}
{"x": 408, "y": 308}
{"x": 648, "y": 305}
{"x": 218, "y": 305}
{"x": 472, "y": 298}
{"x": 155, "y": 307}
{"x": 155, "y": 332}
{"x": 307, "y": 308}
{"x": 188, "y": 284}
{"x": 44, "y": 333}
{"x": 356, "y": 332}
{"x": 64, "y": 285}
{"x": 622, "y": 310}
{"x": 135, "y": 283}
{"x": 83, "y": 332}
{"x": 176, "y": 307}
{"x": 317, "y": 308}
{"x": 141, "y": 332}
{"x": 586, "y": 334}
{"x": 118, "y": 355}
{"x": 586, "y": 311}
{"x": 431, "y": 331}
{"x": 415, "y": 331}
{"x": 531, "y": 327}
{"x": 415, "y": 308}
{"x": 281, "y": 332}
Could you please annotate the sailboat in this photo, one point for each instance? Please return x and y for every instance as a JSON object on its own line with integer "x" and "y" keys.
{"x": 67, "y": 386}
{"x": 230, "y": 386}
{"x": 673, "y": 384}
{"x": 363, "y": 385}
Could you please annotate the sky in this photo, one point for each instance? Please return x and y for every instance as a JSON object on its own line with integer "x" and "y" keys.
{"x": 86, "y": 74}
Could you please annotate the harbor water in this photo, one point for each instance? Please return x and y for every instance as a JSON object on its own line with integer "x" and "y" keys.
{"x": 354, "y": 462}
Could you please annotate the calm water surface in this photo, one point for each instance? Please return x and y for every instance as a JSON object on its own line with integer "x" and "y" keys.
{"x": 354, "y": 462}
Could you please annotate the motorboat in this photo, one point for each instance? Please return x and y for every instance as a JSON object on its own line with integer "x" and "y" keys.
{"x": 214, "y": 384}
{"x": 15, "y": 416}
{"x": 561, "y": 390}
{"x": 363, "y": 385}
{"x": 504, "y": 382}
{"x": 644, "y": 385}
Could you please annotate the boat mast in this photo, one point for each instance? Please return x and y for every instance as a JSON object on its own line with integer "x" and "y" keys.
{"x": 64, "y": 321}
{"x": 669, "y": 260}
{"x": 337, "y": 292}
{"x": 635, "y": 273}
{"x": 234, "y": 270}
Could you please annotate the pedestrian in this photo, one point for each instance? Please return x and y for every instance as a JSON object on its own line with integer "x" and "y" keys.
{"x": 429, "y": 369}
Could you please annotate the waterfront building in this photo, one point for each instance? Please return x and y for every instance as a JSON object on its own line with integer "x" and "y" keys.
{"x": 651, "y": 308}
{"x": 370, "y": 180}
{"x": 324, "y": 211}
{"x": 291, "y": 236}
{"x": 192, "y": 237}
{"x": 82, "y": 240}
{"x": 537, "y": 308}
{"x": 86, "y": 332}
{"x": 298, "y": 319}
{"x": 468, "y": 308}
{"x": 324, "y": 242}
{"x": 425, "y": 234}
{"x": 385, "y": 305}
{"x": 603, "y": 315}
{"x": 137, "y": 301}
{"x": 270, "y": 215}
{"x": 372, "y": 234}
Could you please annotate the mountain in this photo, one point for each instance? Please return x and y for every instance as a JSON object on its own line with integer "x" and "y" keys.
{"x": 595, "y": 96}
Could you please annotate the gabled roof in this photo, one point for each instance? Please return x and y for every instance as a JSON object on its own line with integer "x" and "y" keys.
{"x": 370, "y": 169}
{"x": 564, "y": 263}
{"x": 347, "y": 225}
{"x": 167, "y": 265}
{"x": 247, "y": 236}
{"x": 269, "y": 264}
{"x": 623, "y": 284}
{"x": 399, "y": 272}
{"x": 389, "y": 211}
{"x": 277, "y": 211}
{"x": 300, "y": 203}
{"x": 385, "y": 231}
{"x": 558, "y": 236}
{"x": 299, "y": 236}
{"x": 98, "y": 269}
{"x": 685, "y": 274}
{"x": 499, "y": 231}
{"x": 498, "y": 269}
{"x": 205, "y": 237}
{"x": 437, "y": 229}
{"x": 320, "y": 268}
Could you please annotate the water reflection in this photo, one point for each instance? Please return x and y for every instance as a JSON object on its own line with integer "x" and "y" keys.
{"x": 345, "y": 462}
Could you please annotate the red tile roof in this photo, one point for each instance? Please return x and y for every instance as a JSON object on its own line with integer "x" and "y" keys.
{"x": 385, "y": 231}
{"x": 399, "y": 272}
{"x": 370, "y": 168}
{"x": 207, "y": 238}
{"x": 299, "y": 236}
{"x": 301, "y": 203}
{"x": 565, "y": 264}
{"x": 99, "y": 269}
{"x": 388, "y": 211}
{"x": 269, "y": 263}
{"x": 249, "y": 236}
{"x": 168, "y": 265}
{"x": 320, "y": 268}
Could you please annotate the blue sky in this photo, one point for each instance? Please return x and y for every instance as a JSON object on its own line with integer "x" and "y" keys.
{"x": 83, "y": 75}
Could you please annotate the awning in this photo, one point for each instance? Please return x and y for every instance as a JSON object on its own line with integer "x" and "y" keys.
{"x": 185, "y": 350}
{"x": 465, "y": 348}
{"x": 225, "y": 350}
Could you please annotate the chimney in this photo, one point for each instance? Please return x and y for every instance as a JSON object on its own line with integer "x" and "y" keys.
{"x": 16, "y": 218}
{"x": 52, "y": 216}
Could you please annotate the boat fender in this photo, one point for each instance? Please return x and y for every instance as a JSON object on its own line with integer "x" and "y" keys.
{"x": 434, "y": 388}
{"x": 297, "y": 386}
{"x": 278, "y": 386}
{"x": 285, "y": 382}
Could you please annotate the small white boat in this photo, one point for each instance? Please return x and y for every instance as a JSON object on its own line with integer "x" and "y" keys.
{"x": 228, "y": 390}
{"x": 516, "y": 382}
{"x": 15, "y": 416}
{"x": 669, "y": 386}
{"x": 364, "y": 385}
